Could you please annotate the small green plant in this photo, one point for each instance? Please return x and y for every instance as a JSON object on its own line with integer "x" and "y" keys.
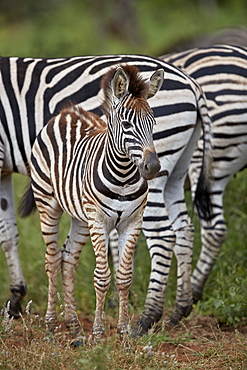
{"x": 226, "y": 288}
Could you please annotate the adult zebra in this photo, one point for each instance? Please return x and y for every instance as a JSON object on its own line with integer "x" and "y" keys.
{"x": 98, "y": 176}
{"x": 33, "y": 90}
{"x": 221, "y": 71}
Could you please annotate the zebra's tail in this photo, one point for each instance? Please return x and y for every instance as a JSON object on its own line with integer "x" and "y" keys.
{"x": 27, "y": 203}
{"x": 202, "y": 198}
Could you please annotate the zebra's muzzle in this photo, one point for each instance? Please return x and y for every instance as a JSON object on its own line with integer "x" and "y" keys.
{"x": 150, "y": 165}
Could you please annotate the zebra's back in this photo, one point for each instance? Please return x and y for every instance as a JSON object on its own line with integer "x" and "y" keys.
{"x": 32, "y": 91}
{"x": 222, "y": 72}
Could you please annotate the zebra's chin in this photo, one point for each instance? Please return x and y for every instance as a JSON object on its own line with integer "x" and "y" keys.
{"x": 150, "y": 167}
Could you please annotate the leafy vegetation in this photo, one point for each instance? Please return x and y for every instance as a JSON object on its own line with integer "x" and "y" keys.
{"x": 229, "y": 279}
{"x": 61, "y": 28}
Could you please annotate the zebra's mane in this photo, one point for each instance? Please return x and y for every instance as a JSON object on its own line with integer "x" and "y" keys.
{"x": 90, "y": 123}
{"x": 138, "y": 87}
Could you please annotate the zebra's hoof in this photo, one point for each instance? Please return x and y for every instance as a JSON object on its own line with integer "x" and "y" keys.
{"x": 143, "y": 326}
{"x": 78, "y": 341}
{"x": 12, "y": 308}
{"x": 178, "y": 314}
{"x": 123, "y": 330}
{"x": 197, "y": 295}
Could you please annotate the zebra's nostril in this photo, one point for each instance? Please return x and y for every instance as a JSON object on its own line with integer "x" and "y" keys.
{"x": 151, "y": 166}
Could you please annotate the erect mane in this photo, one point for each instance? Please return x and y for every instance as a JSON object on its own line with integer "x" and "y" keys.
{"x": 138, "y": 87}
{"x": 90, "y": 123}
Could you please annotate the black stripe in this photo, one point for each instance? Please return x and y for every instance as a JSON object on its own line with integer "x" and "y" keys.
{"x": 171, "y": 132}
{"x": 169, "y": 152}
{"x": 5, "y": 72}
{"x": 211, "y": 53}
{"x": 7, "y": 133}
{"x": 176, "y": 108}
{"x": 30, "y": 99}
{"x": 229, "y": 112}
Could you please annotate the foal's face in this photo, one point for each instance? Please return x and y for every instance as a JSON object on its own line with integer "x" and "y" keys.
{"x": 134, "y": 134}
{"x": 130, "y": 118}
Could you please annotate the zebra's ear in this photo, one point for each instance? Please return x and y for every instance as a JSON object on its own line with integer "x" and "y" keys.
{"x": 120, "y": 83}
{"x": 156, "y": 81}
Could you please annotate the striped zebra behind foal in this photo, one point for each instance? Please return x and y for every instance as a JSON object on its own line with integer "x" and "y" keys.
{"x": 221, "y": 71}
{"x": 34, "y": 90}
{"x": 98, "y": 176}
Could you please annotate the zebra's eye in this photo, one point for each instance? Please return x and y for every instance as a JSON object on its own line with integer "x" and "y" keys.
{"x": 126, "y": 124}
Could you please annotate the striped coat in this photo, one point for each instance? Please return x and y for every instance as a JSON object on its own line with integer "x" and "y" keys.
{"x": 221, "y": 71}
{"x": 33, "y": 90}
{"x": 98, "y": 175}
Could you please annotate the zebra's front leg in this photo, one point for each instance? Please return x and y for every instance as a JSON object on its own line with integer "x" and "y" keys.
{"x": 102, "y": 273}
{"x": 9, "y": 242}
{"x": 102, "y": 279}
{"x": 128, "y": 233}
{"x": 53, "y": 262}
{"x": 77, "y": 238}
{"x": 123, "y": 282}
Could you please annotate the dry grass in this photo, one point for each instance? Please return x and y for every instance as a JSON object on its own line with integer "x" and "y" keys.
{"x": 198, "y": 343}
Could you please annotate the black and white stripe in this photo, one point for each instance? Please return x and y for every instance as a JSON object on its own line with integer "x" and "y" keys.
{"x": 221, "y": 71}
{"x": 98, "y": 175}
{"x": 36, "y": 89}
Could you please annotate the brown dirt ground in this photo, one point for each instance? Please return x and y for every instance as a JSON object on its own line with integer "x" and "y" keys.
{"x": 196, "y": 336}
{"x": 206, "y": 337}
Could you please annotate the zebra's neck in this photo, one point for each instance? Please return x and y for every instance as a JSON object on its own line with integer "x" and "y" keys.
{"x": 116, "y": 166}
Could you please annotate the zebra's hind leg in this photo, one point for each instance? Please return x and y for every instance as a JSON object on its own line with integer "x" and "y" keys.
{"x": 212, "y": 237}
{"x": 183, "y": 252}
{"x": 160, "y": 240}
{"x": 9, "y": 242}
{"x": 161, "y": 251}
{"x": 77, "y": 238}
{"x": 50, "y": 215}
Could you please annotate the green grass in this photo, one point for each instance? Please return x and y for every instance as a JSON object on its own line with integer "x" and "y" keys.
{"x": 90, "y": 28}
{"x": 225, "y": 290}
{"x": 32, "y": 255}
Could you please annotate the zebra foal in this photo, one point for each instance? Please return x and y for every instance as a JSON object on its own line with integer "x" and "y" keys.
{"x": 98, "y": 175}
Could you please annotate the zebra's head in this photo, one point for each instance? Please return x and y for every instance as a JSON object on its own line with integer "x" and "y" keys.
{"x": 129, "y": 116}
